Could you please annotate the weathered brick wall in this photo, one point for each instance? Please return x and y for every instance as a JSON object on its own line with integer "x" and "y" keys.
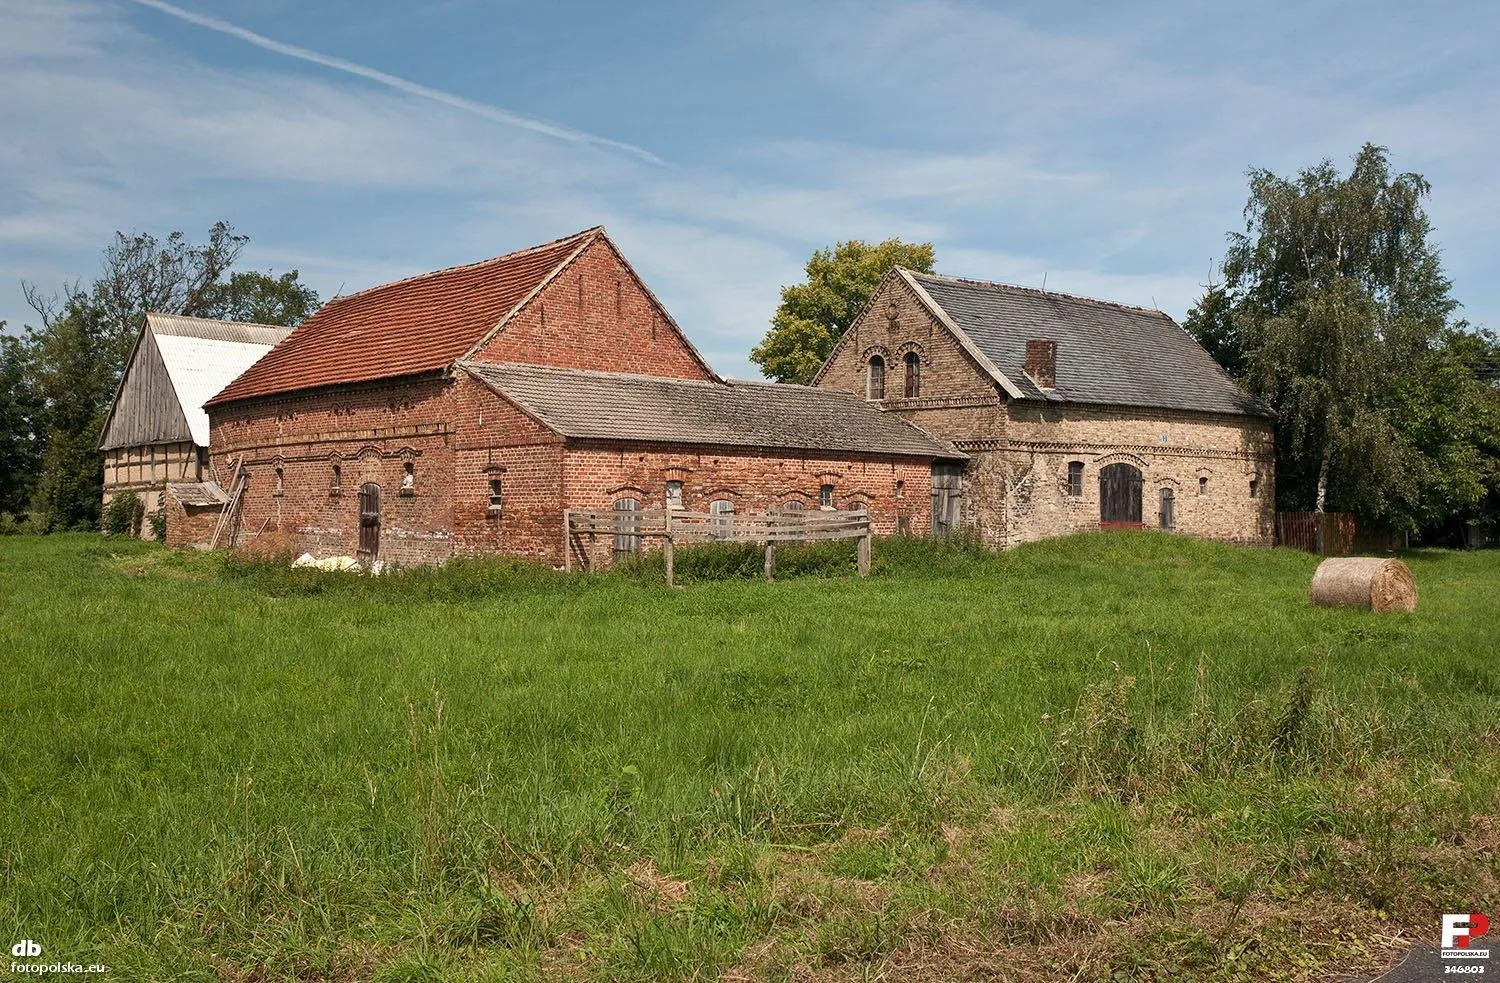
{"x": 1015, "y": 487}
{"x": 1171, "y": 449}
{"x": 895, "y": 323}
{"x": 370, "y": 433}
{"x": 896, "y": 491}
{"x": 494, "y": 441}
{"x": 596, "y": 315}
{"x": 189, "y": 527}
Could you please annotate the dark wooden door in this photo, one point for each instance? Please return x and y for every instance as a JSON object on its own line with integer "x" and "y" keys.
{"x": 1120, "y": 497}
{"x": 369, "y": 522}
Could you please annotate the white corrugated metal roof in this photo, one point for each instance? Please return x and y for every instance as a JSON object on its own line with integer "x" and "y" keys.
{"x": 200, "y": 367}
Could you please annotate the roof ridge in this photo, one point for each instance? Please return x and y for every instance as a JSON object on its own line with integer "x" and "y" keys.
{"x": 1000, "y": 285}
{"x": 594, "y": 230}
{"x": 610, "y": 373}
{"x": 219, "y": 320}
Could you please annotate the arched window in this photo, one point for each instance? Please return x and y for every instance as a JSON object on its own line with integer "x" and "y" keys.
{"x": 913, "y": 375}
{"x": 627, "y": 524}
{"x": 875, "y": 384}
{"x": 795, "y": 505}
{"x": 1202, "y": 485}
{"x": 337, "y": 487}
{"x": 408, "y": 479}
{"x": 1075, "y": 478}
{"x": 1255, "y": 488}
{"x": 280, "y": 486}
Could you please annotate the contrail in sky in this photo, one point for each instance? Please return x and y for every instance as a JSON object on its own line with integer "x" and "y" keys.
{"x": 489, "y": 112}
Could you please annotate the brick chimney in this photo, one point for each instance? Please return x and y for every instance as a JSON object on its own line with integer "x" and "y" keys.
{"x": 1041, "y": 362}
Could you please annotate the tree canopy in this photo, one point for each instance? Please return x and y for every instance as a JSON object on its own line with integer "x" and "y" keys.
{"x": 66, "y": 369}
{"x": 814, "y": 315}
{"x": 1335, "y": 311}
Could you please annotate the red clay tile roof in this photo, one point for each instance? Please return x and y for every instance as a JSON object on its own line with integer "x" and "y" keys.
{"x": 420, "y": 324}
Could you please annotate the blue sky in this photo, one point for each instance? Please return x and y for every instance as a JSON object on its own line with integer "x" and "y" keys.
{"x": 1100, "y": 146}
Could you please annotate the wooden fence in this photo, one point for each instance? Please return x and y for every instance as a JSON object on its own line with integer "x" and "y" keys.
{"x": 1328, "y": 533}
{"x": 674, "y": 526}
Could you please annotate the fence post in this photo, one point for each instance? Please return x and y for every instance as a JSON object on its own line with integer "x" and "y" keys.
{"x": 667, "y": 551}
{"x": 862, "y": 563}
{"x": 567, "y": 541}
{"x": 770, "y": 560}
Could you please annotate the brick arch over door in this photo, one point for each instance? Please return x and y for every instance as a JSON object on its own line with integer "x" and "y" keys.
{"x": 1120, "y": 496}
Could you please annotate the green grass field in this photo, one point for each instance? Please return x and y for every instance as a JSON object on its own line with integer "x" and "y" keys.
{"x": 1113, "y": 756}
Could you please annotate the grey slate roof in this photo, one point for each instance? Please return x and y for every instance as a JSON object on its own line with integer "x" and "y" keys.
{"x": 1106, "y": 353}
{"x": 617, "y": 406}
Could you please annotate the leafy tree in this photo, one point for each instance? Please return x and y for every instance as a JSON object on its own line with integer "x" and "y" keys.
{"x": 75, "y": 358}
{"x": 1336, "y": 313}
{"x": 814, "y": 315}
{"x": 18, "y": 410}
{"x": 263, "y": 298}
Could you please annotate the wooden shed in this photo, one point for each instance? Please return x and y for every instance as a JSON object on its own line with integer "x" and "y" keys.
{"x": 157, "y": 430}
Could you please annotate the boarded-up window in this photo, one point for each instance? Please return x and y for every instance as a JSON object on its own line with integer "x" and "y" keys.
{"x": 674, "y": 494}
{"x": 875, "y": 386}
{"x": 913, "y": 375}
{"x": 1165, "y": 516}
{"x": 722, "y": 510}
{"x": 628, "y": 524}
{"x": 1075, "y": 478}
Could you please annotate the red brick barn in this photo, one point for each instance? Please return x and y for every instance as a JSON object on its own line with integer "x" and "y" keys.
{"x": 462, "y": 411}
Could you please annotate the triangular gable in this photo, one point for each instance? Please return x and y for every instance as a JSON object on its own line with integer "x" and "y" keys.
{"x": 935, "y": 310}
{"x": 598, "y": 235}
{"x": 146, "y": 408}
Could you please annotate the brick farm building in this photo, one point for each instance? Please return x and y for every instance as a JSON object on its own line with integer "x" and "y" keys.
{"x": 462, "y": 411}
{"x": 1076, "y": 414}
{"x": 468, "y": 411}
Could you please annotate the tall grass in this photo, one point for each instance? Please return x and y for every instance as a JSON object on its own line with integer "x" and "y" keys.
{"x": 215, "y": 769}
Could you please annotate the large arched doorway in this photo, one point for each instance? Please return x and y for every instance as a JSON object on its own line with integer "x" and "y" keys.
{"x": 1120, "y": 497}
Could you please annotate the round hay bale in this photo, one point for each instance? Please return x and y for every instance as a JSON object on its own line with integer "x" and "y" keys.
{"x": 1364, "y": 582}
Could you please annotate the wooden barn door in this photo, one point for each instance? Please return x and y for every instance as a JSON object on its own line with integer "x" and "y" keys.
{"x": 369, "y": 522}
{"x": 947, "y": 496}
{"x": 1120, "y": 497}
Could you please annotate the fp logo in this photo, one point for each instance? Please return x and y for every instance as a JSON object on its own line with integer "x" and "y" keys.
{"x": 1458, "y": 930}
{"x": 26, "y": 949}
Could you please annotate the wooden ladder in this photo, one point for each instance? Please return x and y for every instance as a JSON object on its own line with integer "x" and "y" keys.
{"x": 231, "y": 511}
